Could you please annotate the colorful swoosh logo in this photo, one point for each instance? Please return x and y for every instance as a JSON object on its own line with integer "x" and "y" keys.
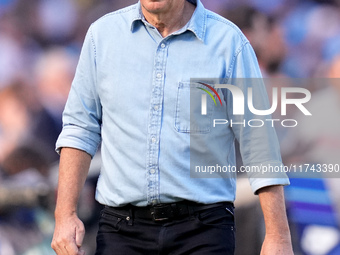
{"x": 209, "y": 93}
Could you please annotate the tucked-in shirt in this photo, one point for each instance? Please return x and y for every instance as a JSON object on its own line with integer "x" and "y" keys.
{"x": 131, "y": 94}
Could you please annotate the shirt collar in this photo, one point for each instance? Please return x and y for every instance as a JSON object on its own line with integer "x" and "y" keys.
{"x": 197, "y": 23}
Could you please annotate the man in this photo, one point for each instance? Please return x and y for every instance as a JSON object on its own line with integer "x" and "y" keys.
{"x": 130, "y": 92}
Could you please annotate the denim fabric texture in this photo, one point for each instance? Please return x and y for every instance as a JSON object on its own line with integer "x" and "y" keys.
{"x": 131, "y": 94}
{"x": 211, "y": 231}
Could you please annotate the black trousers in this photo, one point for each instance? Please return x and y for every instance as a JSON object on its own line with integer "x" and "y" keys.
{"x": 206, "y": 232}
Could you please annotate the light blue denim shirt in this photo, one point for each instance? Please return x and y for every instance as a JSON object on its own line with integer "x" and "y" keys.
{"x": 131, "y": 92}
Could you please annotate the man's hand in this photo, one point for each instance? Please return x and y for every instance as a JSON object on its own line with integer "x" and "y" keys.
{"x": 68, "y": 236}
{"x": 276, "y": 245}
{"x": 277, "y": 240}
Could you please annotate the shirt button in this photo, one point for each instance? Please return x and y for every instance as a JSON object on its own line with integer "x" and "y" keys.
{"x": 153, "y": 139}
{"x": 152, "y": 171}
{"x": 163, "y": 45}
{"x": 159, "y": 75}
{"x": 156, "y": 107}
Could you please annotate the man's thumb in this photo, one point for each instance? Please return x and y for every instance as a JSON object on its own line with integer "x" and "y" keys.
{"x": 80, "y": 233}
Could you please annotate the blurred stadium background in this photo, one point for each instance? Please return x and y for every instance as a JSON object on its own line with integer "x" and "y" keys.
{"x": 40, "y": 41}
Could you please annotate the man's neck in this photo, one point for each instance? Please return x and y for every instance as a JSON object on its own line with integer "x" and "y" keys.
{"x": 171, "y": 20}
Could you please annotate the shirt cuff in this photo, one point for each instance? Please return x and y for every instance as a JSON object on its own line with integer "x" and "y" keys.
{"x": 267, "y": 174}
{"x": 79, "y": 138}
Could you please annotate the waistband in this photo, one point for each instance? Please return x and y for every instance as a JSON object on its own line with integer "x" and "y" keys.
{"x": 167, "y": 212}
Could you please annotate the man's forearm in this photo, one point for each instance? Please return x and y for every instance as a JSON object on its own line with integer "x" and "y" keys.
{"x": 73, "y": 170}
{"x": 69, "y": 230}
{"x": 274, "y": 210}
{"x": 277, "y": 240}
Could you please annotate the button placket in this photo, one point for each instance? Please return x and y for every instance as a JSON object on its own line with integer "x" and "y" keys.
{"x": 155, "y": 117}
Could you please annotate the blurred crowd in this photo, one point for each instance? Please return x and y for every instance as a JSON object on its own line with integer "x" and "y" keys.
{"x": 40, "y": 42}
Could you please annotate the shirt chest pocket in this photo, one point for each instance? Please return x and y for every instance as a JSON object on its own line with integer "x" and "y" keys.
{"x": 194, "y": 108}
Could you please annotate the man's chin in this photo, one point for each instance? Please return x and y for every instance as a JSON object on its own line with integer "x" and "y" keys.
{"x": 155, "y": 6}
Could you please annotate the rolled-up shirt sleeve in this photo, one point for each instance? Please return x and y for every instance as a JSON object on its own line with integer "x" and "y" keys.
{"x": 259, "y": 146}
{"x": 82, "y": 115}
